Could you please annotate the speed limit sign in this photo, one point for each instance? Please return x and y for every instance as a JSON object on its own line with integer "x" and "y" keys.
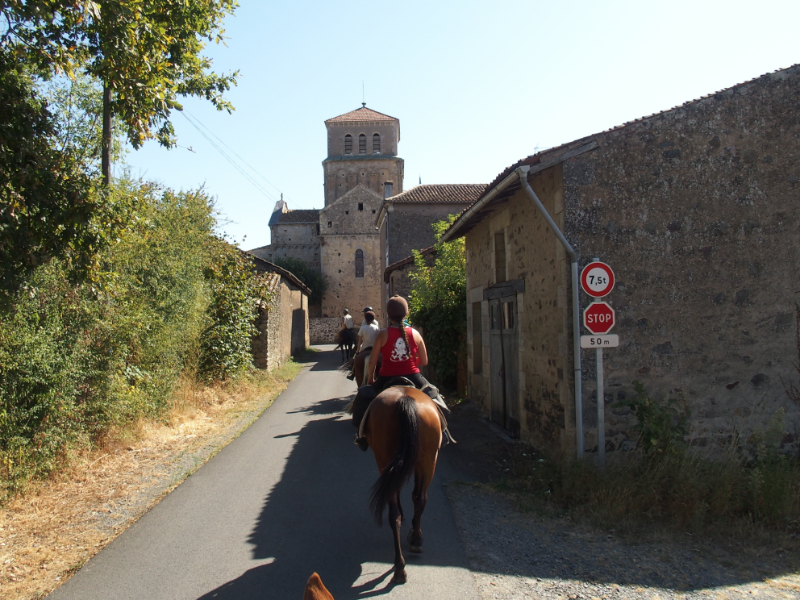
{"x": 597, "y": 279}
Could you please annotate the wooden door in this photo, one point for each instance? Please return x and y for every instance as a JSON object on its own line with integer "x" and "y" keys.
{"x": 504, "y": 350}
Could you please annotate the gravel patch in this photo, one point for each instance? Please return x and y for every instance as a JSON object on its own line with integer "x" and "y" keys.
{"x": 516, "y": 554}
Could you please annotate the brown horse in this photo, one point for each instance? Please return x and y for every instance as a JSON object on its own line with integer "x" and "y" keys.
{"x": 346, "y": 341}
{"x": 316, "y": 590}
{"x": 404, "y": 431}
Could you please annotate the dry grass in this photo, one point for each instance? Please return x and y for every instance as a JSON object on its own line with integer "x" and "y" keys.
{"x": 49, "y": 531}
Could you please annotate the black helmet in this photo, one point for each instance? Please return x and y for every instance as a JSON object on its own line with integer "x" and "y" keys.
{"x": 368, "y": 309}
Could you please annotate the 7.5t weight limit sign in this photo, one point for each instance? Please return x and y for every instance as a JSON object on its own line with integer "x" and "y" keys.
{"x": 597, "y": 279}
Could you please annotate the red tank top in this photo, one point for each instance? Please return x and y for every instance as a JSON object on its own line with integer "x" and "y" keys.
{"x": 397, "y": 359}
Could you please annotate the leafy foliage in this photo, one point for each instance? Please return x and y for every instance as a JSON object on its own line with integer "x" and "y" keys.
{"x": 49, "y": 207}
{"x": 662, "y": 425}
{"x": 312, "y": 277}
{"x": 237, "y": 294}
{"x": 80, "y": 359}
{"x": 438, "y": 303}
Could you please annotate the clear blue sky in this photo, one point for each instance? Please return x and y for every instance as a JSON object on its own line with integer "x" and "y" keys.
{"x": 476, "y": 85}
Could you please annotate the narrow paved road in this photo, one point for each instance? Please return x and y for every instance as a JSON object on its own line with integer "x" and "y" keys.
{"x": 286, "y": 498}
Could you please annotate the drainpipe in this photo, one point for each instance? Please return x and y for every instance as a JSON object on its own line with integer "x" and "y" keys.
{"x": 522, "y": 172}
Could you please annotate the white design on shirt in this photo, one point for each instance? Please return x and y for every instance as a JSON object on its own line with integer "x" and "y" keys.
{"x": 400, "y": 352}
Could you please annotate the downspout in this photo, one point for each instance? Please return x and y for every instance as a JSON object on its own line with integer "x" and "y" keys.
{"x": 576, "y": 332}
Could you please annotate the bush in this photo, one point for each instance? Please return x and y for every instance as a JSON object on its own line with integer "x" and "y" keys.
{"x": 78, "y": 360}
{"x": 310, "y": 276}
{"x": 438, "y": 303}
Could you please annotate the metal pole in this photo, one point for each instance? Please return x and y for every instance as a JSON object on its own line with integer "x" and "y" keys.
{"x": 522, "y": 172}
{"x": 601, "y": 411}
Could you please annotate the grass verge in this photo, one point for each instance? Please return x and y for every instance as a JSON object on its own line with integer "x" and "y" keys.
{"x": 53, "y": 527}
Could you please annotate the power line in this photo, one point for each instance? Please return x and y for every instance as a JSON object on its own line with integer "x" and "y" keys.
{"x": 251, "y": 167}
{"x": 235, "y": 165}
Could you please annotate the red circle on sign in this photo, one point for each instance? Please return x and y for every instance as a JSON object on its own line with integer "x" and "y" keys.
{"x": 597, "y": 279}
{"x": 598, "y": 318}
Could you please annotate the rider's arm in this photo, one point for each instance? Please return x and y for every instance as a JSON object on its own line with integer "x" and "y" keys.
{"x": 422, "y": 352}
{"x": 373, "y": 356}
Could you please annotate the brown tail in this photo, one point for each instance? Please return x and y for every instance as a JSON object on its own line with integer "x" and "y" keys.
{"x": 315, "y": 590}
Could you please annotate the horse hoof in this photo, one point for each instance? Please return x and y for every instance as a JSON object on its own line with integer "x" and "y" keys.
{"x": 400, "y": 577}
{"x": 415, "y": 549}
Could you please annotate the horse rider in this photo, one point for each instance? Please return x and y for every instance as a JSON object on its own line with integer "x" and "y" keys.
{"x": 347, "y": 320}
{"x": 403, "y": 352}
{"x": 366, "y": 338}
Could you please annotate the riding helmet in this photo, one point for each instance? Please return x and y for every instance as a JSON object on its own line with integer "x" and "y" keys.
{"x": 397, "y": 308}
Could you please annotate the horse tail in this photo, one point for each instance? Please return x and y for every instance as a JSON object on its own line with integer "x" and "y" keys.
{"x": 402, "y": 466}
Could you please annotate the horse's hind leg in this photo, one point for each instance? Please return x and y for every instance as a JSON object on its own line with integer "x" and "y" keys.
{"x": 395, "y": 519}
{"x": 420, "y": 497}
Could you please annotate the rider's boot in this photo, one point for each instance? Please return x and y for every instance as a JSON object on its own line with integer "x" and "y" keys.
{"x": 361, "y": 443}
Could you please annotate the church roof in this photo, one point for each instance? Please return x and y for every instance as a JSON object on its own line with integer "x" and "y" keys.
{"x": 361, "y": 114}
{"x": 448, "y": 193}
{"x": 295, "y": 216}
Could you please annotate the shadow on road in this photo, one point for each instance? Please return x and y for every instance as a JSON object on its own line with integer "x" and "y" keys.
{"x": 317, "y": 518}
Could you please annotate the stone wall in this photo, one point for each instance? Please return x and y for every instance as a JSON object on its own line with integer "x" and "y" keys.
{"x": 543, "y": 404}
{"x": 283, "y": 325}
{"x": 409, "y": 226}
{"x": 323, "y": 331}
{"x": 696, "y": 210}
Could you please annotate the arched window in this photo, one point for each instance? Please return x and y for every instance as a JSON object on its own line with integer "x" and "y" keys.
{"x": 362, "y": 144}
{"x": 376, "y": 144}
{"x": 359, "y": 263}
{"x": 348, "y": 144}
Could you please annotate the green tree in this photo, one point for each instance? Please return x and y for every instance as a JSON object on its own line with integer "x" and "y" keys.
{"x": 312, "y": 277}
{"x": 146, "y": 53}
{"x": 438, "y": 303}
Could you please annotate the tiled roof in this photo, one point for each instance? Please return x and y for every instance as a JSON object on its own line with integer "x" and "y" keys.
{"x": 455, "y": 192}
{"x": 551, "y": 156}
{"x": 361, "y": 114}
{"x": 298, "y": 216}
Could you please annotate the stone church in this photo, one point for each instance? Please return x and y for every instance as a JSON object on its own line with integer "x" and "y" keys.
{"x": 368, "y": 221}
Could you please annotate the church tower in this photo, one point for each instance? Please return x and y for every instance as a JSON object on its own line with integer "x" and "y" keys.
{"x": 362, "y": 149}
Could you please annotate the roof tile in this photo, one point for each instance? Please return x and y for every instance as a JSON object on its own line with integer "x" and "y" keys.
{"x": 455, "y": 193}
{"x": 361, "y": 114}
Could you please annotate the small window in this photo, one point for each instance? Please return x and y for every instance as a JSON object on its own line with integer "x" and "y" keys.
{"x": 387, "y": 189}
{"x": 360, "y": 206}
{"x": 362, "y": 144}
{"x": 347, "y": 212}
{"x": 329, "y": 224}
{"x": 359, "y": 263}
{"x": 376, "y": 144}
{"x": 348, "y": 144}
{"x": 317, "y": 228}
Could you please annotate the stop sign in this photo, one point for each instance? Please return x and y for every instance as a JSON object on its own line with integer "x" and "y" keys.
{"x": 598, "y": 318}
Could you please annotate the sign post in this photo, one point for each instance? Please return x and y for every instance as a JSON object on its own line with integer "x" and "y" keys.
{"x": 597, "y": 280}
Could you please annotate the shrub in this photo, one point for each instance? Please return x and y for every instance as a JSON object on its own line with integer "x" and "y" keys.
{"x": 438, "y": 303}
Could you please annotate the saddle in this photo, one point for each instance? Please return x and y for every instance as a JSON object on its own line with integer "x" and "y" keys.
{"x": 370, "y": 393}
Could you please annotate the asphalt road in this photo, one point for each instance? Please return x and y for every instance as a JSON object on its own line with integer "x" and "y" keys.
{"x": 288, "y": 497}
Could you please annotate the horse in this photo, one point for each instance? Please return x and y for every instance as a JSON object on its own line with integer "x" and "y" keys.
{"x": 346, "y": 341}
{"x": 403, "y": 429}
{"x": 316, "y": 590}
{"x": 358, "y": 365}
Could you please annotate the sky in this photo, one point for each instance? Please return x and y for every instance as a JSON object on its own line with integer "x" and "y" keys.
{"x": 476, "y": 86}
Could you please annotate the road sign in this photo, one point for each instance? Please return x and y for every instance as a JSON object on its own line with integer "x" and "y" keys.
{"x": 600, "y": 341}
{"x": 597, "y": 279}
{"x": 598, "y": 318}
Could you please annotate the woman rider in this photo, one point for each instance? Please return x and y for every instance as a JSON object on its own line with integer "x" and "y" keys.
{"x": 403, "y": 352}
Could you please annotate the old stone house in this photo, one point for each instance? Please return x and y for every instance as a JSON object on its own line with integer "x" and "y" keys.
{"x": 367, "y": 221}
{"x": 283, "y": 324}
{"x": 696, "y": 209}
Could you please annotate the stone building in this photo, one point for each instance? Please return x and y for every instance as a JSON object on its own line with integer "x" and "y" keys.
{"x": 406, "y": 219}
{"x": 368, "y": 220}
{"x": 696, "y": 210}
{"x": 283, "y": 324}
